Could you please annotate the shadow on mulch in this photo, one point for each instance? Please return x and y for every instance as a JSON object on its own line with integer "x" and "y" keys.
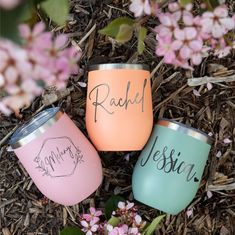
{"x": 24, "y": 210}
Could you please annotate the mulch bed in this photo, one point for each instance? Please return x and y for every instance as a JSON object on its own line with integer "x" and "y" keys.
{"x": 24, "y": 210}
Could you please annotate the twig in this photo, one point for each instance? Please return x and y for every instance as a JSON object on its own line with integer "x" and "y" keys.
{"x": 173, "y": 75}
{"x": 119, "y": 9}
{"x": 170, "y": 97}
{"x": 6, "y": 137}
{"x": 156, "y": 69}
{"x": 71, "y": 214}
{"x": 203, "y": 80}
{"x": 7, "y": 202}
{"x": 86, "y": 35}
{"x": 221, "y": 187}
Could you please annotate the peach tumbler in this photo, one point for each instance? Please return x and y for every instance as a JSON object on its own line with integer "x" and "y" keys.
{"x": 119, "y": 114}
{"x": 58, "y": 157}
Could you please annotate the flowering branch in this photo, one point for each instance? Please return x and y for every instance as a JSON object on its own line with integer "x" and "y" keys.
{"x": 25, "y": 70}
{"x": 125, "y": 220}
{"x": 182, "y": 39}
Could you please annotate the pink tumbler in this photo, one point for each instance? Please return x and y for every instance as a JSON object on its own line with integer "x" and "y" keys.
{"x": 58, "y": 157}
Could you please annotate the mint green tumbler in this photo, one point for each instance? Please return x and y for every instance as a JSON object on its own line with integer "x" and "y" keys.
{"x": 169, "y": 169}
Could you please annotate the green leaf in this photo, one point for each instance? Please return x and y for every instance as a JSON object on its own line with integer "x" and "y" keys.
{"x": 185, "y": 2}
{"x": 111, "y": 205}
{"x": 125, "y": 33}
{"x": 9, "y": 20}
{"x": 114, "y": 221}
{"x": 71, "y": 231}
{"x": 57, "y": 10}
{"x": 151, "y": 228}
{"x": 141, "y": 36}
{"x": 113, "y": 28}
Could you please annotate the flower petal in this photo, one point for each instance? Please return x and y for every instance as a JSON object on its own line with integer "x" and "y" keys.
{"x": 169, "y": 57}
{"x": 176, "y": 45}
{"x": 221, "y": 11}
{"x": 209, "y": 86}
{"x": 84, "y": 224}
{"x": 25, "y": 31}
{"x": 2, "y": 80}
{"x": 196, "y": 58}
{"x": 227, "y": 141}
{"x": 11, "y": 74}
{"x": 228, "y": 23}
{"x": 94, "y": 228}
{"x": 38, "y": 29}
{"x": 165, "y": 19}
{"x": 188, "y": 18}
{"x": 196, "y": 45}
{"x": 121, "y": 205}
{"x": 218, "y": 30}
{"x": 190, "y": 33}
{"x": 185, "y": 52}
{"x": 160, "y": 51}
{"x": 60, "y": 41}
{"x": 147, "y": 7}
{"x": 138, "y": 219}
{"x": 179, "y": 34}
{"x": 196, "y": 93}
{"x": 129, "y": 205}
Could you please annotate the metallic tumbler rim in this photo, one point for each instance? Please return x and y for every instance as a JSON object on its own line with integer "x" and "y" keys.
{"x": 180, "y": 127}
{"x": 35, "y": 127}
{"x": 110, "y": 66}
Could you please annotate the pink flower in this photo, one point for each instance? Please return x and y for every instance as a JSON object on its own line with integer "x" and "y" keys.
{"x": 9, "y": 4}
{"x": 73, "y": 57}
{"x": 125, "y": 206}
{"x": 217, "y": 22}
{"x": 120, "y": 230}
{"x": 165, "y": 48}
{"x": 138, "y": 222}
{"x": 134, "y": 231}
{"x": 186, "y": 42}
{"x": 90, "y": 227}
{"x": 36, "y": 38}
{"x": 167, "y": 26}
{"x": 94, "y": 214}
{"x": 140, "y": 7}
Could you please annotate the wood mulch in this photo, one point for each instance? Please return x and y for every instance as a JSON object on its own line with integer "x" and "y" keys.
{"x": 24, "y": 210}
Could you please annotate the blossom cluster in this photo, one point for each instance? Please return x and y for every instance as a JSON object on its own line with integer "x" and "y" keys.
{"x": 130, "y": 222}
{"x": 41, "y": 61}
{"x": 184, "y": 39}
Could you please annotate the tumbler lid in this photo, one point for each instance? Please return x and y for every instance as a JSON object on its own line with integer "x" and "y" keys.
{"x": 35, "y": 127}
{"x": 180, "y": 127}
{"x": 118, "y": 66}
